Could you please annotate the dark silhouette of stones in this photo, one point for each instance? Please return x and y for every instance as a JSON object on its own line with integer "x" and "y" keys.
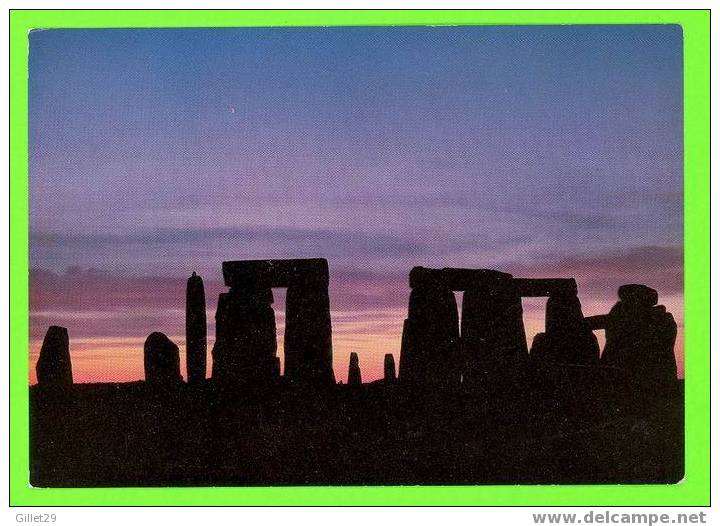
{"x": 464, "y": 279}
{"x": 567, "y": 338}
{"x": 53, "y": 367}
{"x": 640, "y": 339}
{"x": 431, "y": 339}
{"x": 535, "y": 424}
{"x": 354, "y": 375}
{"x": 245, "y": 343}
{"x": 308, "y": 334}
{"x": 454, "y": 278}
{"x": 540, "y": 287}
{"x": 389, "y": 369}
{"x": 562, "y": 313}
{"x": 308, "y": 328}
{"x": 492, "y": 335}
{"x": 274, "y": 272}
{"x": 596, "y": 322}
{"x": 492, "y": 325}
{"x": 162, "y": 360}
{"x": 195, "y": 330}
{"x": 640, "y": 295}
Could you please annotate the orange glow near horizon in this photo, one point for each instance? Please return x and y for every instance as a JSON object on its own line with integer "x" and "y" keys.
{"x": 371, "y": 333}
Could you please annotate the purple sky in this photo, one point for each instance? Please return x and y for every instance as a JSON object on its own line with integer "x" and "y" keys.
{"x": 543, "y": 151}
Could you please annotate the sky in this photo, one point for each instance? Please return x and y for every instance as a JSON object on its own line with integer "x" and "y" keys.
{"x": 541, "y": 151}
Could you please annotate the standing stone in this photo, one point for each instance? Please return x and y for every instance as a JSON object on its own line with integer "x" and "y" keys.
{"x": 354, "y": 375}
{"x": 162, "y": 360}
{"x": 195, "y": 330}
{"x": 308, "y": 329}
{"x": 245, "y": 343}
{"x": 308, "y": 334}
{"x": 493, "y": 333}
{"x": 640, "y": 339}
{"x": 567, "y": 338}
{"x": 389, "y": 376}
{"x": 53, "y": 367}
{"x": 431, "y": 339}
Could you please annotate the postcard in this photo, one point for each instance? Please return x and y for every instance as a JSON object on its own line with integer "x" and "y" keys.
{"x": 356, "y": 256}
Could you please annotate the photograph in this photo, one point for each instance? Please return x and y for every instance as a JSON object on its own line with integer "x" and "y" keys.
{"x": 356, "y": 256}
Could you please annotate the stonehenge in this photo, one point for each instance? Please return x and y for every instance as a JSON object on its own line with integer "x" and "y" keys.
{"x": 438, "y": 349}
{"x": 640, "y": 335}
{"x": 53, "y": 367}
{"x": 195, "y": 330}
{"x": 470, "y": 403}
{"x": 491, "y": 340}
{"x": 161, "y": 360}
{"x": 245, "y": 347}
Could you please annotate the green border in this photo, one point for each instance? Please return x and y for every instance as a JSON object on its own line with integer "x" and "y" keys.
{"x": 693, "y": 490}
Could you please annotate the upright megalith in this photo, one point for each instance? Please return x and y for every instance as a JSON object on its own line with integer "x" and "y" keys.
{"x": 568, "y": 338}
{"x": 354, "y": 375}
{"x": 195, "y": 330}
{"x": 245, "y": 343}
{"x": 492, "y": 322}
{"x": 389, "y": 369}
{"x": 308, "y": 329}
{"x": 53, "y": 367}
{"x": 431, "y": 338}
{"x": 162, "y": 361}
{"x": 246, "y": 333}
{"x": 640, "y": 339}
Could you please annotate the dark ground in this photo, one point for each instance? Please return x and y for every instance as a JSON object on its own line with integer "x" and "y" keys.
{"x": 552, "y": 424}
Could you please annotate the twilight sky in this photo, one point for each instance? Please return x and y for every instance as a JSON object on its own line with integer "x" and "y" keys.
{"x": 541, "y": 151}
